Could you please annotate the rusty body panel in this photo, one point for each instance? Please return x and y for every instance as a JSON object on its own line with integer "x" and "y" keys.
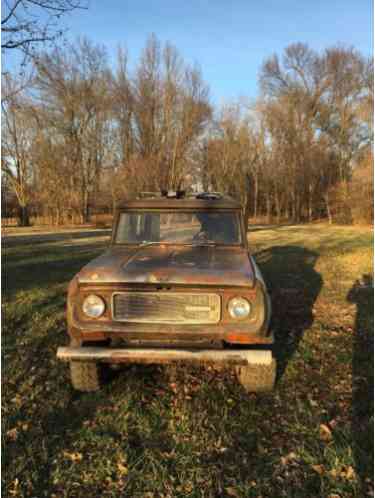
{"x": 171, "y": 264}
{"x": 226, "y": 271}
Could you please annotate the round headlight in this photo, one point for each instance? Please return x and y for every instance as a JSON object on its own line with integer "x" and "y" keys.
{"x": 239, "y": 307}
{"x": 93, "y": 306}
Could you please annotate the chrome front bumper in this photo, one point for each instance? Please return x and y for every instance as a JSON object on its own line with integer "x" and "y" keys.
{"x": 146, "y": 355}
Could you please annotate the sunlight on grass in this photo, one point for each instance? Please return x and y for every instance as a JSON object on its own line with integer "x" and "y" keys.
{"x": 174, "y": 432}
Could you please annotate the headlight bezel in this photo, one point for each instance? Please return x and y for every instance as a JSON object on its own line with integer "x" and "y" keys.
{"x": 100, "y": 303}
{"x": 238, "y": 300}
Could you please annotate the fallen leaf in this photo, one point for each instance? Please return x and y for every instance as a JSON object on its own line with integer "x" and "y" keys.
{"x": 74, "y": 457}
{"x": 334, "y": 472}
{"x": 319, "y": 469}
{"x": 325, "y": 433}
{"x": 350, "y": 473}
{"x": 14, "y": 491}
{"x": 17, "y": 400}
{"x": 12, "y": 434}
{"x": 289, "y": 457}
{"x": 122, "y": 469}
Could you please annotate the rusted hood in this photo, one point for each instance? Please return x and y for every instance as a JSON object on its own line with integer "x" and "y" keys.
{"x": 202, "y": 265}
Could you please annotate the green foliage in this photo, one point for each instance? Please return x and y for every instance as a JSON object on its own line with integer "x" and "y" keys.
{"x": 182, "y": 431}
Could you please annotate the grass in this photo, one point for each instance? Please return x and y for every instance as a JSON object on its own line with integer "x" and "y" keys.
{"x": 174, "y": 432}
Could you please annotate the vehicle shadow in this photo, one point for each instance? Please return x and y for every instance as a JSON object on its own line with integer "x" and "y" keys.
{"x": 289, "y": 272}
{"x": 294, "y": 286}
{"x": 362, "y": 295}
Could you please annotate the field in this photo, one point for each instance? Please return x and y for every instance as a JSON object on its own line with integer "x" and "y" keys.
{"x": 192, "y": 432}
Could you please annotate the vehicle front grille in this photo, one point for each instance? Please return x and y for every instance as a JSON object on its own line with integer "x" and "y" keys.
{"x": 174, "y": 308}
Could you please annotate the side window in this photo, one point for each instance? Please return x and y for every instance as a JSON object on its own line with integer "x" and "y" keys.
{"x": 138, "y": 227}
{"x": 129, "y": 227}
{"x": 152, "y": 227}
{"x": 221, "y": 228}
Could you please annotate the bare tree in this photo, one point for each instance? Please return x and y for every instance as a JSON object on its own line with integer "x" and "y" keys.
{"x": 73, "y": 97}
{"x": 313, "y": 103}
{"x": 160, "y": 113}
{"x": 28, "y": 23}
{"x": 86, "y": 132}
{"x": 16, "y": 162}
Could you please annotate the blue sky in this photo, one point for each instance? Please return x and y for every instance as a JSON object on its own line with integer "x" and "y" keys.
{"x": 229, "y": 39}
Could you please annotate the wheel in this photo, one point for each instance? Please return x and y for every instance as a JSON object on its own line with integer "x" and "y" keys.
{"x": 86, "y": 376}
{"x": 257, "y": 378}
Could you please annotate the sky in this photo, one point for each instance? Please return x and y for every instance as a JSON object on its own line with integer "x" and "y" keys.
{"x": 228, "y": 39}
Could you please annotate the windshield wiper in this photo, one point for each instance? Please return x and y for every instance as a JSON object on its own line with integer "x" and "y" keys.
{"x": 197, "y": 243}
{"x": 204, "y": 243}
{"x": 149, "y": 243}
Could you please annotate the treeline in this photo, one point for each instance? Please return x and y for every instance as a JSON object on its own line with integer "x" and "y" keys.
{"x": 80, "y": 136}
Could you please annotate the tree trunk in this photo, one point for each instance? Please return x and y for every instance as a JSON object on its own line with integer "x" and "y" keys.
{"x": 23, "y": 216}
{"x": 310, "y": 207}
{"x": 85, "y": 207}
{"x": 328, "y": 207}
{"x": 277, "y": 204}
{"x": 293, "y": 209}
{"x": 256, "y": 189}
{"x": 298, "y": 208}
{"x": 286, "y": 211}
{"x": 247, "y": 214}
{"x": 269, "y": 208}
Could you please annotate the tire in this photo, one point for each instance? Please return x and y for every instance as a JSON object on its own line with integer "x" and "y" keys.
{"x": 257, "y": 378}
{"x": 86, "y": 376}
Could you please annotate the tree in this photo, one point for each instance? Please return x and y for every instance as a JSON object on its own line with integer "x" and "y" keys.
{"x": 17, "y": 135}
{"x": 233, "y": 156}
{"x": 170, "y": 110}
{"x": 160, "y": 113}
{"x": 28, "y": 23}
{"x": 312, "y": 105}
{"x": 84, "y": 131}
{"x": 74, "y": 102}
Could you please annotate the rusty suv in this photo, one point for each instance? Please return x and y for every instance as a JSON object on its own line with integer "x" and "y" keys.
{"x": 177, "y": 283}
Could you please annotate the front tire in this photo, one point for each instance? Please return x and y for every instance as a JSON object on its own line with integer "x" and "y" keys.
{"x": 257, "y": 378}
{"x": 86, "y": 376}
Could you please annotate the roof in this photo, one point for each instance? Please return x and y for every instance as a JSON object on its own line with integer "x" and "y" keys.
{"x": 185, "y": 203}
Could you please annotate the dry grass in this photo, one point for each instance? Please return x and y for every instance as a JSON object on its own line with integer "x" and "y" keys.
{"x": 163, "y": 432}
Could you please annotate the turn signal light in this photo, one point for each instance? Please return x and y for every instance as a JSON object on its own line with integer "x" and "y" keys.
{"x": 239, "y": 338}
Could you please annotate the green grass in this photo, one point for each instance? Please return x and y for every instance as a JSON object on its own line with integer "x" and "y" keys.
{"x": 175, "y": 432}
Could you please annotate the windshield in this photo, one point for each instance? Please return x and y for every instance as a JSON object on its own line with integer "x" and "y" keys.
{"x": 198, "y": 227}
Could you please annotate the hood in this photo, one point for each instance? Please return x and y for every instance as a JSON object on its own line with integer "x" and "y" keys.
{"x": 174, "y": 265}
